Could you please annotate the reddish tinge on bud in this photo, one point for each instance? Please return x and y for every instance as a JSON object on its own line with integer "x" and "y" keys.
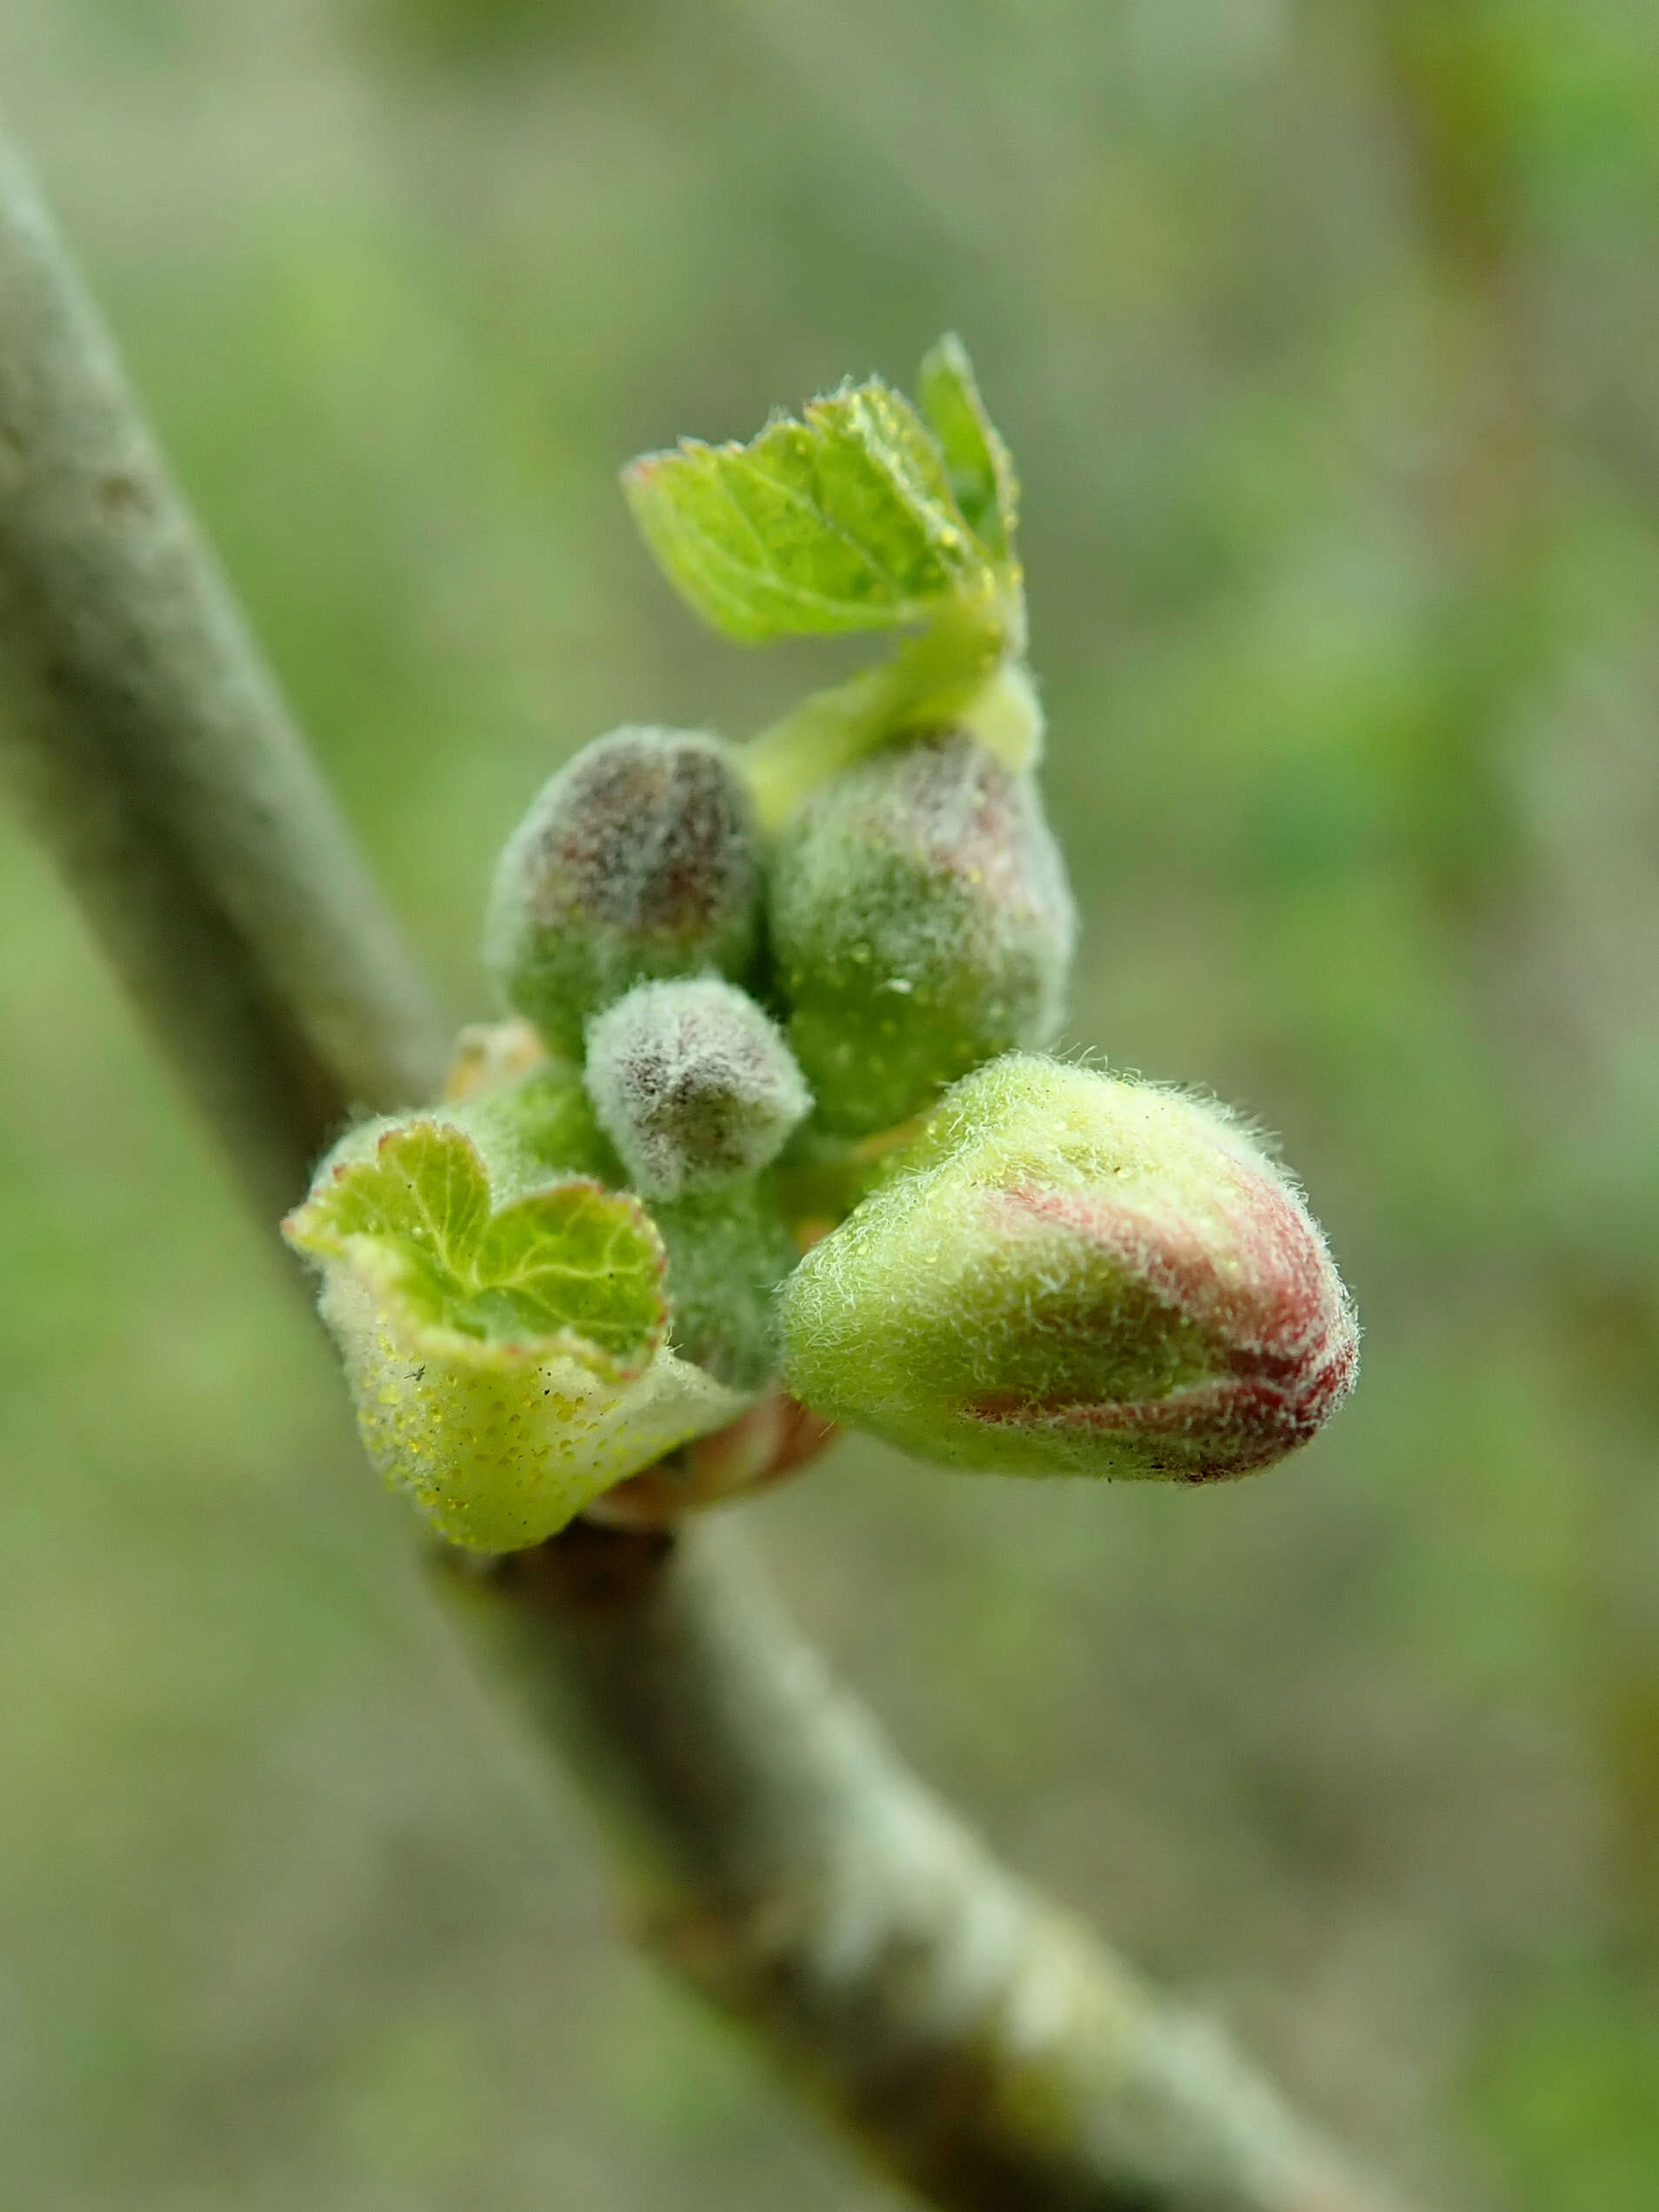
{"x": 637, "y": 860}
{"x": 921, "y": 924}
{"x": 1074, "y": 1274}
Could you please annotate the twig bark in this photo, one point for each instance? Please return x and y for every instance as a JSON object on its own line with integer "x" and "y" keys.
{"x": 773, "y": 1851}
{"x": 152, "y": 749}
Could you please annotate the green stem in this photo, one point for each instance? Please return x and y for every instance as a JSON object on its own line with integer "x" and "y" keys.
{"x": 957, "y": 672}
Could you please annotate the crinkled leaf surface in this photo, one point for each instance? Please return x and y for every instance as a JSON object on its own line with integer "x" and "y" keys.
{"x": 979, "y": 465}
{"x": 508, "y": 1362}
{"x": 844, "y": 520}
{"x": 574, "y": 1268}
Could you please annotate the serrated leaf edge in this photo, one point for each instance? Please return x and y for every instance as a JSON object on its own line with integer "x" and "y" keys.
{"x": 943, "y": 524}
{"x": 949, "y": 351}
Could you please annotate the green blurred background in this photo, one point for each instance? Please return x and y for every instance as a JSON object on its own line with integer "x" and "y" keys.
{"x": 1325, "y": 339}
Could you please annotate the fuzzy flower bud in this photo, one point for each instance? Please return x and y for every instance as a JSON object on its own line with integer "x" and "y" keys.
{"x": 636, "y": 860}
{"x": 1073, "y": 1275}
{"x": 921, "y": 923}
{"x": 693, "y": 1085}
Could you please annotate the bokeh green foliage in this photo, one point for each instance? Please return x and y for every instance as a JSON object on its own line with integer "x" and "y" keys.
{"x": 1319, "y": 335}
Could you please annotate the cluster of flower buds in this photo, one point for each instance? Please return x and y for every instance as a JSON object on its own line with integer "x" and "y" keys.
{"x": 626, "y": 920}
{"x": 567, "y": 1273}
{"x": 772, "y": 1145}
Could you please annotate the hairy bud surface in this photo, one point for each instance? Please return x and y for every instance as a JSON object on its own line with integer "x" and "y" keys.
{"x": 921, "y": 923}
{"x": 728, "y": 1252}
{"x": 636, "y": 860}
{"x": 1074, "y": 1274}
{"x": 693, "y": 1084}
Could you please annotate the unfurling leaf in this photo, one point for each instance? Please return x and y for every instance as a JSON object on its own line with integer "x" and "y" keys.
{"x": 507, "y": 1364}
{"x": 844, "y": 520}
{"x": 574, "y": 1266}
{"x": 981, "y": 468}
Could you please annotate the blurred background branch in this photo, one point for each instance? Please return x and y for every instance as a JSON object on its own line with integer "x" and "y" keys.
{"x": 148, "y": 740}
{"x": 776, "y": 1854}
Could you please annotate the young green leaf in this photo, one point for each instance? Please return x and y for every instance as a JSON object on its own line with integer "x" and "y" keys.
{"x": 574, "y": 1266}
{"x": 843, "y": 522}
{"x": 507, "y": 1364}
{"x": 980, "y": 467}
{"x": 502, "y": 1446}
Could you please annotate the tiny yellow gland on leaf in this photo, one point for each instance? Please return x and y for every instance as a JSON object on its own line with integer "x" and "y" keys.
{"x": 507, "y": 1364}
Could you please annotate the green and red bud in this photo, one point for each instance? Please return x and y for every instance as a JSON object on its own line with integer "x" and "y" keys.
{"x": 637, "y": 860}
{"x": 921, "y": 925}
{"x": 693, "y": 1084}
{"x": 1069, "y": 1273}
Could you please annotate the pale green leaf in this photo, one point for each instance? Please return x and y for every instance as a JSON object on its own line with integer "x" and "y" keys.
{"x": 508, "y": 1362}
{"x": 574, "y": 1268}
{"x": 980, "y": 467}
{"x": 498, "y": 1453}
{"x": 844, "y": 520}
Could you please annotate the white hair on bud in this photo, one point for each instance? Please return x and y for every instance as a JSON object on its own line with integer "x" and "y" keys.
{"x": 637, "y": 860}
{"x": 693, "y": 1084}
